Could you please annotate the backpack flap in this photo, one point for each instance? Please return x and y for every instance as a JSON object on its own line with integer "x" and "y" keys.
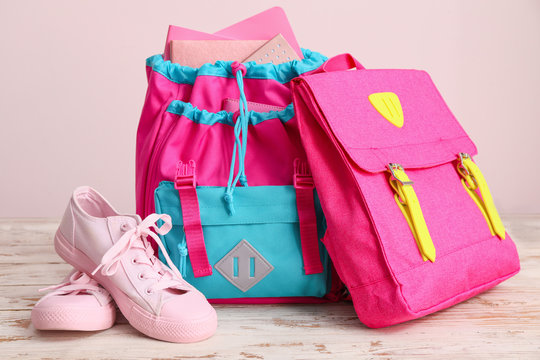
{"x": 438, "y": 231}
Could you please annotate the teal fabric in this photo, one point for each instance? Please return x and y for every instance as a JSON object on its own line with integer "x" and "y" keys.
{"x": 282, "y": 73}
{"x": 193, "y": 113}
{"x": 266, "y": 217}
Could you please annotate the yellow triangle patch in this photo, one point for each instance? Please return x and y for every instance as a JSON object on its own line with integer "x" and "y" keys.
{"x": 388, "y": 105}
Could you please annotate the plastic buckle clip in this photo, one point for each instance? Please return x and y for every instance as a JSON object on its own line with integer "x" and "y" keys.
{"x": 185, "y": 175}
{"x": 302, "y": 175}
{"x": 303, "y": 182}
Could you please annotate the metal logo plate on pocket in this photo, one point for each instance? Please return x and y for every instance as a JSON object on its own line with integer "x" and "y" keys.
{"x": 244, "y": 266}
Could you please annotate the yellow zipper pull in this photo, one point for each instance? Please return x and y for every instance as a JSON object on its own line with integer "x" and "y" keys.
{"x": 473, "y": 180}
{"x": 410, "y": 207}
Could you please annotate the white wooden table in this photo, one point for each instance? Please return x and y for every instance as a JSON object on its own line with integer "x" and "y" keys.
{"x": 499, "y": 324}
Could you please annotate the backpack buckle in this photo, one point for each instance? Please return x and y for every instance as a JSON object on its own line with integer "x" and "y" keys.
{"x": 302, "y": 175}
{"x": 392, "y": 167}
{"x": 408, "y": 203}
{"x": 185, "y": 175}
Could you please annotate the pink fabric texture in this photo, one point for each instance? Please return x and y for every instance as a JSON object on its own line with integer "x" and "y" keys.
{"x": 349, "y": 144}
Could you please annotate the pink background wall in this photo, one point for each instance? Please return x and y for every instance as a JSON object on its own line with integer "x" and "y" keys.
{"x": 73, "y": 82}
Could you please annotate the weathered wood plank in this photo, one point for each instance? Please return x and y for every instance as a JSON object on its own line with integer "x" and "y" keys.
{"x": 278, "y": 332}
{"x": 27, "y": 231}
{"x": 33, "y": 274}
{"x": 21, "y": 297}
{"x": 501, "y": 323}
{"x": 24, "y": 254}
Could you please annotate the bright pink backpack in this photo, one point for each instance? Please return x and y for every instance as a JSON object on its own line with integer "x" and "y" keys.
{"x": 218, "y": 149}
{"x": 411, "y": 224}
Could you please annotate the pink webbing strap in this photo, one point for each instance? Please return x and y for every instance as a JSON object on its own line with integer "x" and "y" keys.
{"x": 185, "y": 183}
{"x": 305, "y": 204}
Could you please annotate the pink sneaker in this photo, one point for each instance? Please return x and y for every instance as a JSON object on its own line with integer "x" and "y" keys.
{"x": 153, "y": 298}
{"x": 79, "y": 303}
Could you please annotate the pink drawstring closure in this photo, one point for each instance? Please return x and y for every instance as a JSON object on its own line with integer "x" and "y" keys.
{"x": 77, "y": 283}
{"x": 136, "y": 238}
{"x": 237, "y": 66}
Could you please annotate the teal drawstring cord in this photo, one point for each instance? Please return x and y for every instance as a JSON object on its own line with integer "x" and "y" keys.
{"x": 182, "y": 252}
{"x": 240, "y": 140}
{"x": 244, "y": 114}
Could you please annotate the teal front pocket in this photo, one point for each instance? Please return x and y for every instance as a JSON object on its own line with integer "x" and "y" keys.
{"x": 254, "y": 253}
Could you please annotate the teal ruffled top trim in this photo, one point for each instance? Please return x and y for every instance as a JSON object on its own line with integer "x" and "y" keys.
{"x": 198, "y": 116}
{"x": 282, "y": 72}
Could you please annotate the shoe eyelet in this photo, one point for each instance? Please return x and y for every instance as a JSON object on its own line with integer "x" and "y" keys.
{"x": 149, "y": 291}
{"x": 124, "y": 227}
{"x": 133, "y": 261}
{"x": 140, "y": 276}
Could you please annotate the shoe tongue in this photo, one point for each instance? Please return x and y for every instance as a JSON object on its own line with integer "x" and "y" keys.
{"x": 119, "y": 224}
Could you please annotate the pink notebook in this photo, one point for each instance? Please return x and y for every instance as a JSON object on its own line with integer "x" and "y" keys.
{"x": 264, "y": 25}
{"x": 180, "y": 33}
{"x": 195, "y": 53}
{"x": 275, "y": 51}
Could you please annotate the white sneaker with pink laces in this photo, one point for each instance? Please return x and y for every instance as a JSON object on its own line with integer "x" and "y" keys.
{"x": 79, "y": 303}
{"x": 115, "y": 249}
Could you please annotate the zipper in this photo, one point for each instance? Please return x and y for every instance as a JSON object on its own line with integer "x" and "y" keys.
{"x": 408, "y": 203}
{"x": 475, "y": 184}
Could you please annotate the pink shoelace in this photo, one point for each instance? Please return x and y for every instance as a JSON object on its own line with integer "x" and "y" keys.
{"x": 137, "y": 238}
{"x": 79, "y": 283}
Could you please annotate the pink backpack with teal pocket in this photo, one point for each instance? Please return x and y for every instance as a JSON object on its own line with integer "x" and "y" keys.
{"x": 218, "y": 149}
{"x": 412, "y": 227}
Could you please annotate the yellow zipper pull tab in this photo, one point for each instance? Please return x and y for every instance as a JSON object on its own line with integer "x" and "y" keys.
{"x": 473, "y": 180}
{"x": 409, "y": 205}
